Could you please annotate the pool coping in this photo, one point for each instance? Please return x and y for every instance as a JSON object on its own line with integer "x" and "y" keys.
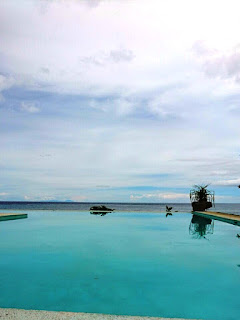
{"x": 221, "y": 216}
{"x": 12, "y": 216}
{"x": 22, "y": 314}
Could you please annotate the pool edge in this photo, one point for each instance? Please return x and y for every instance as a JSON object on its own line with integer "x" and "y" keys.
{"x": 22, "y": 314}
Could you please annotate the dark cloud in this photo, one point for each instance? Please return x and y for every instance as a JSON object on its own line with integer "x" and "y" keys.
{"x": 216, "y": 64}
{"x": 92, "y": 3}
{"x": 45, "y": 155}
{"x": 92, "y": 60}
{"x": 44, "y": 4}
{"x": 103, "y": 186}
{"x": 200, "y": 48}
{"x": 225, "y": 66}
{"x": 45, "y": 70}
{"x": 114, "y": 56}
{"x": 121, "y": 55}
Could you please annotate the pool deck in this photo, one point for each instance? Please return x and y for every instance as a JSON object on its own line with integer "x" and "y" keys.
{"x": 20, "y": 314}
{"x": 221, "y": 216}
{"x": 12, "y": 216}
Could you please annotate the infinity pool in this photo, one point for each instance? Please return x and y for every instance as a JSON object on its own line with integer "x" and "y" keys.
{"x": 120, "y": 263}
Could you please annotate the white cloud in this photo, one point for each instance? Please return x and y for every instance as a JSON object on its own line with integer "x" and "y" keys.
{"x": 2, "y": 194}
{"x": 5, "y": 82}
{"x": 150, "y": 105}
{"x": 29, "y": 107}
{"x": 39, "y": 198}
{"x": 230, "y": 182}
{"x": 79, "y": 198}
{"x": 109, "y": 35}
{"x": 160, "y": 196}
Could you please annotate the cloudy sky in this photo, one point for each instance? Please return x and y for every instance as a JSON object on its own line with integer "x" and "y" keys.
{"x": 119, "y": 100}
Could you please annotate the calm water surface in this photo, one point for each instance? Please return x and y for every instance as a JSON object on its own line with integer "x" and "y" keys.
{"x": 132, "y": 263}
{"x": 126, "y": 207}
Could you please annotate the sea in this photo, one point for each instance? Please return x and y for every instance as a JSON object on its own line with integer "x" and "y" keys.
{"x": 233, "y": 208}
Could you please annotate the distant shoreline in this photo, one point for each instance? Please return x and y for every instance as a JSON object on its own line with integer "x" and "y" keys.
{"x": 105, "y": 202}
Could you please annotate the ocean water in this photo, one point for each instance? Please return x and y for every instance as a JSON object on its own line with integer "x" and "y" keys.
{"x": 121, "y": 207}
{"x": 128, "y": 263}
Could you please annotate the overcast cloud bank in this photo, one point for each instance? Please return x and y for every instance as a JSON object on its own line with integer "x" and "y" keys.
{"x": 92, "y": 93}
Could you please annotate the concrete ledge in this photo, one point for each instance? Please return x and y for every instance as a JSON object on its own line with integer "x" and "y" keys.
{"x": 221, "y": 216}
{"x": 20, "y": 314}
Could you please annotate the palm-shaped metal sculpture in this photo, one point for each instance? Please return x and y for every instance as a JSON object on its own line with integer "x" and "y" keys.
{"x": 201, "y": 197}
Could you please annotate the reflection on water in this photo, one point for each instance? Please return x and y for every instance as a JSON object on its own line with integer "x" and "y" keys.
{"x": 99, "y": 213}
{"x": 199, "y": 226}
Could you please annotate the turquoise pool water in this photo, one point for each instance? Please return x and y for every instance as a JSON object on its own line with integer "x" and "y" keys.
{"x": 120, "y": 263}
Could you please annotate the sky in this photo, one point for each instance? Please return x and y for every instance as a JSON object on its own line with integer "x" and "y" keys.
{"x": 133, "y": 101}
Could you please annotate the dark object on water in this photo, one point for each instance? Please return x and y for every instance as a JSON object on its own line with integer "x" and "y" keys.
{"x": 176, "y": 211}
{"x": 101, "y": 213}
{"x": 168, "y": 214}
{"x": 101, "y": 208}
{"x": 201, "y": 198}
{"x": 202, "y": 220}
{"x": 168, "y": 210}
{"x": 201, "y": 226}
{"x": 238, "y": 235}
{"x": 239, "y": 186}
{"x": 201, "y": 206}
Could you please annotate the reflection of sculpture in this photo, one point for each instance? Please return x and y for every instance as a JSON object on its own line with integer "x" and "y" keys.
{"x": 99, "y": 213}
{"x": 200, "y": 226}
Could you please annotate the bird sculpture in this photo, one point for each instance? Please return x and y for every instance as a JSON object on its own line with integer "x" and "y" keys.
{"x": 168, "y": 209}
